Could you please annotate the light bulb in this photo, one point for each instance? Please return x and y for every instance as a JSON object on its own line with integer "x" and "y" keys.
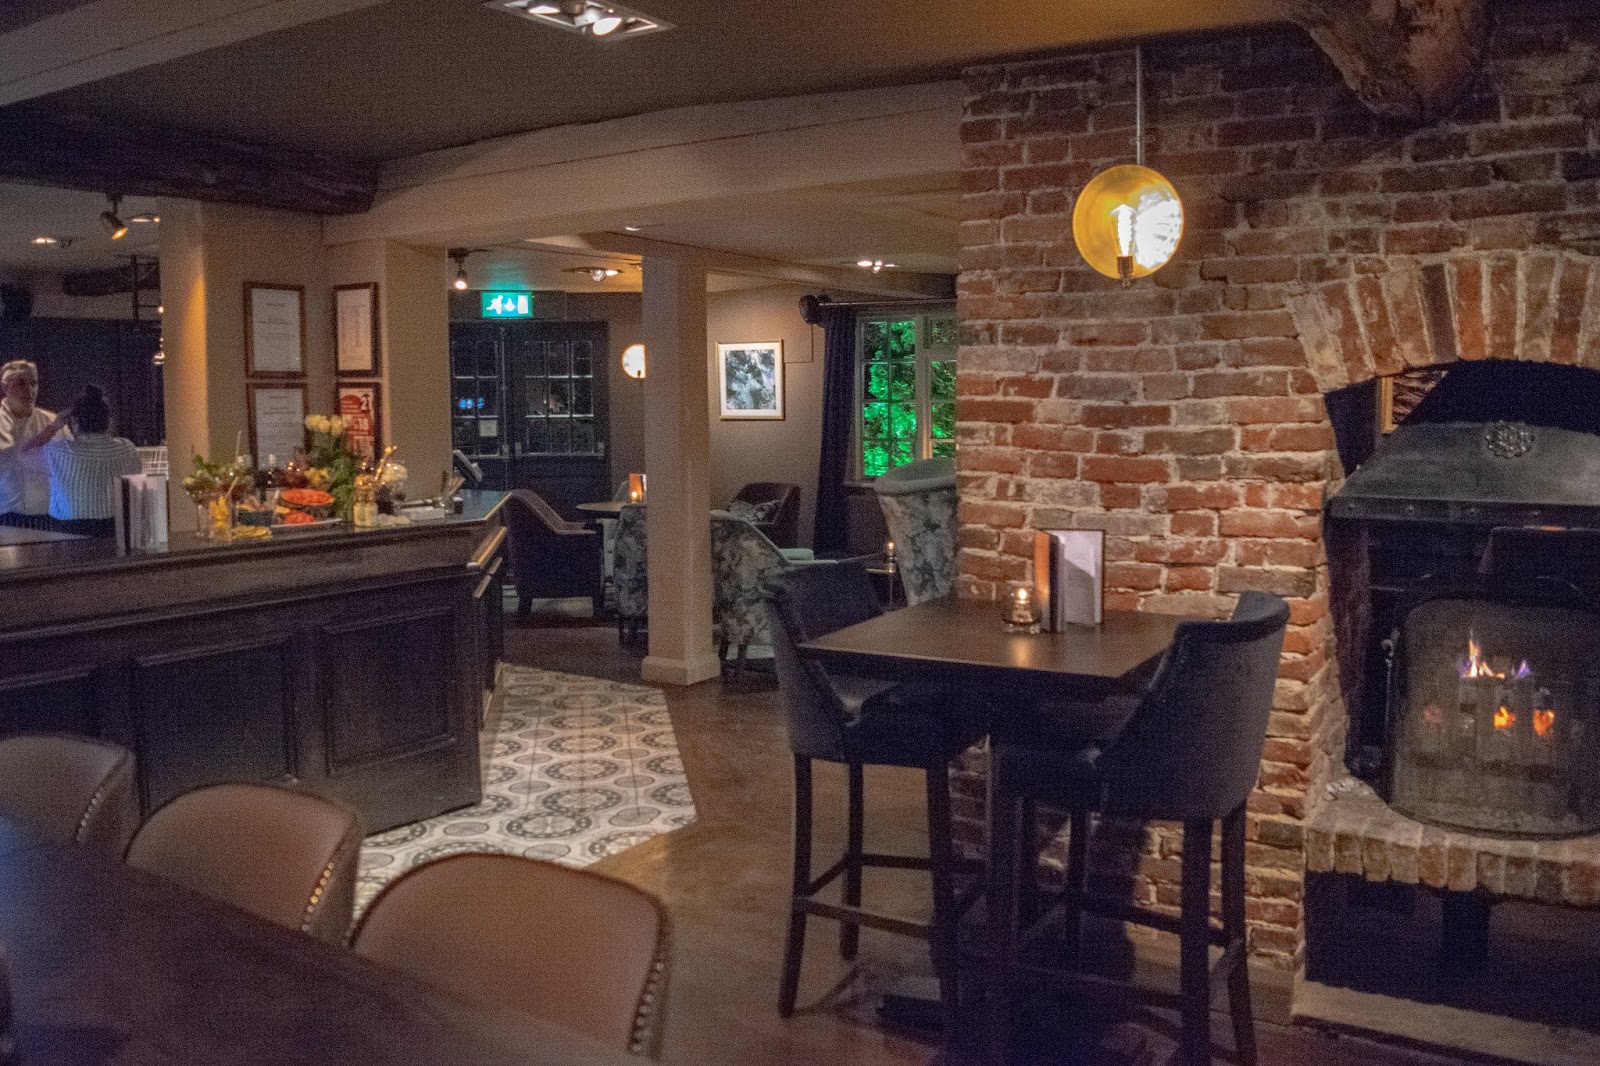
{"x": 1126, "y": 219}
{"x": 1128, "y": 222}
{"x": 605, "y": 24}
{"x": 461, "y": 280}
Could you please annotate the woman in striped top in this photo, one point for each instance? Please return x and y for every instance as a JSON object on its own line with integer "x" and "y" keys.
{"x": 86, "y": 469}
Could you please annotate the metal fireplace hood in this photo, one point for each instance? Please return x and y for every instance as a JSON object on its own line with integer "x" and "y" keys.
{"x": 1492, "y": 444}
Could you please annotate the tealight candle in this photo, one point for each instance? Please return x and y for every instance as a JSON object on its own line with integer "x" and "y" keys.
{"x": 1020, "y": 609}
{"x": 636, "y": 488}
{"x": 888, "y": 550}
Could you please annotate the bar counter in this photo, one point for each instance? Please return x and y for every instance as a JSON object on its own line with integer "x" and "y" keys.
{"x": 351, "y": 662}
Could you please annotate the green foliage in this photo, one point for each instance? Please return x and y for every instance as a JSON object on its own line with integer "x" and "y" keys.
{"x": 332, "y": 454}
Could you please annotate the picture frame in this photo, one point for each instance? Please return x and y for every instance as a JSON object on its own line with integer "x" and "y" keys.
{"x": 274, "y": 330}
{"x": 360, "y": 404}
{"x": 277, "y": 416}
{"x": 750, "y": 380}
{"x": 357, "y": 348}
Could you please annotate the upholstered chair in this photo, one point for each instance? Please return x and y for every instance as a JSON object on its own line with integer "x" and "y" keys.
{"x": 586, "y": 951}
{"x": 70, "y": 790}
{"x": 550, "y": 557}
{"x": 772, "y": 507}
{"x": 919, "y": 507}
{"x": 742, "y": 559}
{"x": 1189, "y": 751}
{"x": 630, "y": 571}
{"x": 286, "y": 856}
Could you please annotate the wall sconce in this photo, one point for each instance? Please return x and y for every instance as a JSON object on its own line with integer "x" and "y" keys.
{"x": 633, "y": 363}
{"x": 1129, "y": 219}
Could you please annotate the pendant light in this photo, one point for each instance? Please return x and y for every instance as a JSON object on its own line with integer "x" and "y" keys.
{"x": 1128, "y": 219}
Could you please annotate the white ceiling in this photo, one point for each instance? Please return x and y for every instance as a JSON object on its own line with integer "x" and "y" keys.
{"x": 29, "y": 211}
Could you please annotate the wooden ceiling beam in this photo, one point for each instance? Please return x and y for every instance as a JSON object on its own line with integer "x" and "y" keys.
{"x": 1406, "y": 59}
{"x": 126, "y": 159}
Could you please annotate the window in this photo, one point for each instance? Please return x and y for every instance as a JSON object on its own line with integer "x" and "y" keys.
{"x": 906, "y": 389}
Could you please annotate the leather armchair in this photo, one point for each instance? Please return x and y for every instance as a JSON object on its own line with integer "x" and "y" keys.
{"x": 782, "y": 527}
{"x": 550, "y": 557}
{"x": 70, "y": 790}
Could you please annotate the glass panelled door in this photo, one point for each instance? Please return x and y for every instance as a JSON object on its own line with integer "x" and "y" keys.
{"x": 530, "y": 399}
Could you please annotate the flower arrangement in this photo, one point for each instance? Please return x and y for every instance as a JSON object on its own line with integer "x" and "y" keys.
{"x": 333, "y": 465}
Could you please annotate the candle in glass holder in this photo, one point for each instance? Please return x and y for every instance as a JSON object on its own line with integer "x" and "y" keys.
{"x": 888, "y": 550}
{"x": 1020, "y": 609}
{"x": 635, "y": 488}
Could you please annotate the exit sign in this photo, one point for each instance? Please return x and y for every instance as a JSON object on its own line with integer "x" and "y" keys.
{"x": 507, "y": 304}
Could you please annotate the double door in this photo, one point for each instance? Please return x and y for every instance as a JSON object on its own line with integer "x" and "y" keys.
{"x": 528, "y": 405}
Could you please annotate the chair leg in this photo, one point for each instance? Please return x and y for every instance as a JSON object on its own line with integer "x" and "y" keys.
{"x": 795, "y": 947}
{"x": 1233, "y": 925}
{"x": 1077, "y": 881}
{"x": 1194, "y": 968}
{"x": 850, "y": 932}
{"x": 944, "y": 937}
{"x": 1007, "y": 834}
{"x": 738, "y": 666}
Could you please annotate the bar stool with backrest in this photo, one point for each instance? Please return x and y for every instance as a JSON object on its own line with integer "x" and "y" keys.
{"x": 1190, "y": 752}
{"x": 575, "y": 947}
{"x": 286, "y": 856}
{"x": 70, "y": 790}
{"x": 860, "y": 722}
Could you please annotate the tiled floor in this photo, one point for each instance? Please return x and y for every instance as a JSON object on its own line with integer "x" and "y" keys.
{"x": 574, "y": 769}
{"x": 725, "y": 881}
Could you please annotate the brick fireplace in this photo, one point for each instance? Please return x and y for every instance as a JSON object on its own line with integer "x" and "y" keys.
{"x": 1324, "y": 247}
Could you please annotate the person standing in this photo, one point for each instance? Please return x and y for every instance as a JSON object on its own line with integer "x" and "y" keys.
{"x": 86, "y": 468}
{"x": 25, "y": 428}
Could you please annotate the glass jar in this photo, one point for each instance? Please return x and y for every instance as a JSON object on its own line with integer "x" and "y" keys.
{"x": 364, "y": 501}
{"x": 1019, "y": 608}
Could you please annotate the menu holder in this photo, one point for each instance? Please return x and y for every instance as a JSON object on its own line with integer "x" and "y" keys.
{"x": 143, "y": 512}
{"x": 1069, "y": 570}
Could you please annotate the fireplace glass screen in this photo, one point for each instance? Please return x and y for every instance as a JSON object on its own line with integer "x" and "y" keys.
{"x": 1498, "y": 713}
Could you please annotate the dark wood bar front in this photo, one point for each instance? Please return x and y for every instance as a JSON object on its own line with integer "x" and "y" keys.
{"x": 349, "y": 662}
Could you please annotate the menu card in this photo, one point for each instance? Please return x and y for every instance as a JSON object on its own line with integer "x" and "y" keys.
{"x": 143, "y": 512}
{"x": 1069, "y": 571}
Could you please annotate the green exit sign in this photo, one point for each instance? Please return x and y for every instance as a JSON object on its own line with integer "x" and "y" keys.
{"x": 506, "y": 304}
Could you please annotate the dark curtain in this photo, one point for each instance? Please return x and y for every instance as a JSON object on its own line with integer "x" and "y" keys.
{"x": 838, "y": 416}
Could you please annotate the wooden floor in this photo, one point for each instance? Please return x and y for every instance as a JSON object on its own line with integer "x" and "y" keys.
{"x": 725, "y": 881}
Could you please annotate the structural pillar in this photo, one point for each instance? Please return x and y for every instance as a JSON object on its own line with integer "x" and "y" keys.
{"x": 677, "y": 448}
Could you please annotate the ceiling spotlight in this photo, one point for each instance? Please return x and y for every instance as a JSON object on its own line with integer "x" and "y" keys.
{"x": 458, "y": 256}
{"x": 592, "y": 18}
{"x": 117, "y": 228}
{"x": 47, "y": 241}
{"x": 633, "y": 229}
{"x": 877, "y": 266}
{"x": 596, "y": 273}
{"x": 145, "y": 218}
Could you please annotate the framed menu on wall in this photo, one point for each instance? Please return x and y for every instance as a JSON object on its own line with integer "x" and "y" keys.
{"x": 277, "y": 420}
{"x": 355, "y": 327}
{"x": 274, "y": 330}
{"x": 360, "y": 405}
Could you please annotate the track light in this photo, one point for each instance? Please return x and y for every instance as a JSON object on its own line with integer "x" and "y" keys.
{"x": 592, "y": 18}
{"x": 114, "y": 225}
{"x": 595, "y": 273}
{"x": 459, "y": 257}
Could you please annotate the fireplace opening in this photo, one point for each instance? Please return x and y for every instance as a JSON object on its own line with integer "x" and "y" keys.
{"x": 1496, "y": 713}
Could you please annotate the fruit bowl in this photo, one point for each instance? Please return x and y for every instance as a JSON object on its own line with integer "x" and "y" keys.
{"x": 314, "y": 502}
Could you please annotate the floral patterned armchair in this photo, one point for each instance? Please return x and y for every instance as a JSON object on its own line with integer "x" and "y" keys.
{"x": 629, "y": 572}
{"x": 919, "y": 507}
{"x": 741, "y": 559}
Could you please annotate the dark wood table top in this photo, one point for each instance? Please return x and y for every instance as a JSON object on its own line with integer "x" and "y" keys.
{"x": 964, "y": 642}
{"x": 110, "y": 967}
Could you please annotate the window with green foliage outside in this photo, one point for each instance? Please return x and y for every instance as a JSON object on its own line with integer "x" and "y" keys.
{"x": 907, "y": 387}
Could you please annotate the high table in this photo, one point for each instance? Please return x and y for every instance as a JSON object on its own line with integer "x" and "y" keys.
{"x": 111, "y": 966}
{"x": 612, "y": 508}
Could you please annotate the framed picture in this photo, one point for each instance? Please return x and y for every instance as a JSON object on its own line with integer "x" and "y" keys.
{"x": 355, "y": 329}
{"x": 360, "y": 404}
{"x": 274, "y": 330}
{"x": 277, "y": 420}
{"x": 750, "y": 379}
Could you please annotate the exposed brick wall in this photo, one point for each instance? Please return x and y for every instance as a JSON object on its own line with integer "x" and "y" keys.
{"x": 1184, "y": 416}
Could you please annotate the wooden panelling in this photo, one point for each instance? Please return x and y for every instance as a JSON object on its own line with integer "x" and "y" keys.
{"x": 213, "y": 713}
{"x": 392, "y": 694}
{"x": 60, "y": 701}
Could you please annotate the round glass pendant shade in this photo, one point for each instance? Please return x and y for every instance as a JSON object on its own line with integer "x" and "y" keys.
{"x": 633, "y": 361}
{"x": 1127, "y": 222}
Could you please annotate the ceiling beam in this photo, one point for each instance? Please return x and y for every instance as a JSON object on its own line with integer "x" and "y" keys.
{"x": 127, "y": 159}
{"x": 890, "y": 284}
{"x": 104, "y": 38}
{"x": 1406, "y": 59}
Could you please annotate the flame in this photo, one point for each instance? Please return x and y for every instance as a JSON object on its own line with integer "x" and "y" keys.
{"x": 1475, "y": 665}
{"x": 1503, "y": 718}
{"x": 1543, "y": 722}
{"x": 1523, "y": 671}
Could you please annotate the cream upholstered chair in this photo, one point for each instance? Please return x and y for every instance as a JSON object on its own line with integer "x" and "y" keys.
{"x": 630, "y": 579}
{"x": 70, "y": 790}
{"x": 919, "y": 507}
{"x": 580, "y": 949}
{"x": 289, "y": 857}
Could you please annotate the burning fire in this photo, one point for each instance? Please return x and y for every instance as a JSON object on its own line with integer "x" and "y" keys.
{"x": 1543, "y": 722}
{"x": 1503, "y": 718}
{"x": 1476, "y": 666}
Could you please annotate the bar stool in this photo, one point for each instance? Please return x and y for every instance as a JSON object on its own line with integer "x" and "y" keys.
{"x": 1190, "y": 752}
{"x": 859, "y": 722}
{"x": 71, "y": 790}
